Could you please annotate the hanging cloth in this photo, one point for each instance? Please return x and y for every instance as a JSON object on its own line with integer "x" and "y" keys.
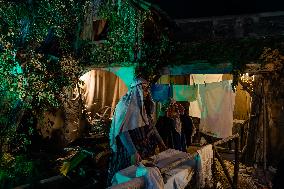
{"x": 195, "y": 107}
{"x": 217, "y": 108}
{"x": 184, "y": 93}
{"x": 161, "y": 92}
{"x": 205, "y": 78}
{"x": 197, "y": 80}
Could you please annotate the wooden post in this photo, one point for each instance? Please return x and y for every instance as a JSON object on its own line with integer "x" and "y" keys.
{"x": 236, "y": 167}
{"x": 264, "y": 124}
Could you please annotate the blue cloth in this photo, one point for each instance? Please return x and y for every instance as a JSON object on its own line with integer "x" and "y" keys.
{"x": 161, "y": 92}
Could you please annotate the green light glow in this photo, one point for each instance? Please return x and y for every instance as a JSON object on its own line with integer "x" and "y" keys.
{"x": 124, "y": 73}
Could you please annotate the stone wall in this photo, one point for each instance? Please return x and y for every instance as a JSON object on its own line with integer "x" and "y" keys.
{"x": 275, "y": 108}
{"x": 274, "y": 122}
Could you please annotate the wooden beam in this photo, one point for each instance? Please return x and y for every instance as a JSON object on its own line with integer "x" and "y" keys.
{"x": 138, "y": 182}
{"x": 264, "y": 124}
{"x": 197, "y": 67}
{"x": 225, "y": 140}
{"x": 243, "y": 152}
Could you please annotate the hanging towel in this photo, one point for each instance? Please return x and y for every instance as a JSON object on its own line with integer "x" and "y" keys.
{"x": 204, "y": 160}
{"x": 195, "y": 107}
{"x": 184, "y": 93}
{"x": 161, "y": 92}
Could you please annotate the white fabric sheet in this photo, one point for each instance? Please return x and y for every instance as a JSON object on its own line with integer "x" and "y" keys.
{"x": 196, "y": 107}
{"x": 154, "y": 179}
{"x": 168, "y": 157}
{"x": 217, "y": 109}
{"x": 205, "y": 78}
{"x": 180, "y": 176}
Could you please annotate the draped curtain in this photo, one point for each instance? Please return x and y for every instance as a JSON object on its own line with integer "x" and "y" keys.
{"x": 102, "y": 88}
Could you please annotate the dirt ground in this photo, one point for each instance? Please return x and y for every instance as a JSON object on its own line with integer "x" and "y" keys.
{"x": 249, "y": 177}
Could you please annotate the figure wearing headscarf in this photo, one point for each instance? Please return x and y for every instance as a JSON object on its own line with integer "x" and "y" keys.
{"x": 175, "y": 127}
{"x": 132, "y": 135}
{"x": 188, "y": 126}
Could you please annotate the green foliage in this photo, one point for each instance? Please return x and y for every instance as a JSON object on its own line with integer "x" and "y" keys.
{"x": 43, "y": 15}
{"x": 32, "y": 80}
{"x": 40, "y": 85}
{"x": 33, "y": 86}
{"x": 73, "y": 163}
{"x": 124, "y": 36}
{"x": 126, "y": 42}
{"x": 41, "y": 55}
{"x": 16, "y": 170}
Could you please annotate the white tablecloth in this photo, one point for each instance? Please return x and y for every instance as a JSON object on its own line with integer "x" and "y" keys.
{"x": 176, "y": 178}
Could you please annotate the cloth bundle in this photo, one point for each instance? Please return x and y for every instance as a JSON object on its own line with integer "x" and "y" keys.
{"x": 152, "y": 176}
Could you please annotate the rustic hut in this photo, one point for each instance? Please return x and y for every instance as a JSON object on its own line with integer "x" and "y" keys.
{"x": 173, "y": 50}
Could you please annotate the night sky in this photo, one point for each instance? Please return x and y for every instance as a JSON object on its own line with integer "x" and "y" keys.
{"x": 205, "y": 8}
